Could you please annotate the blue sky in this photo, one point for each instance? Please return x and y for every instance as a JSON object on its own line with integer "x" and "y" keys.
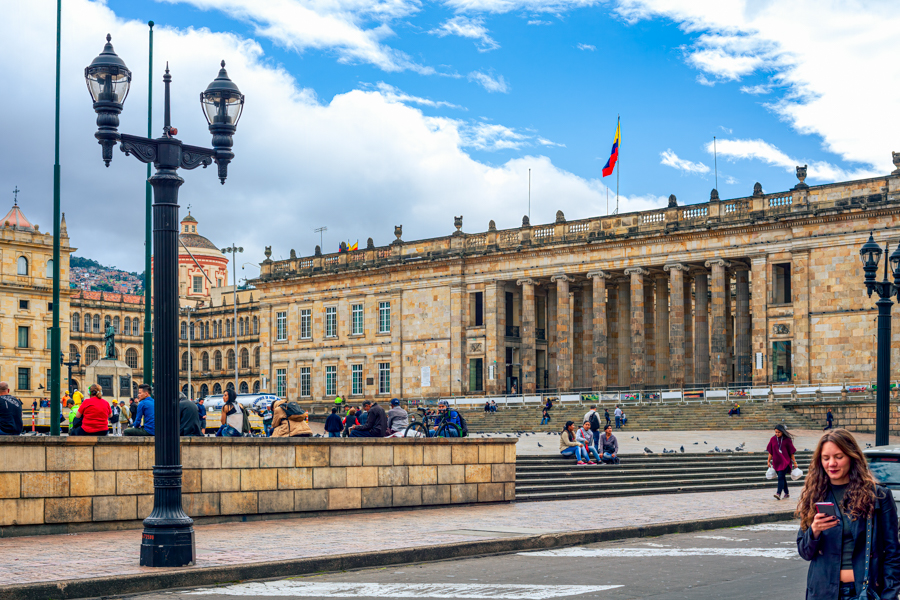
{"x": 400, "y": 111}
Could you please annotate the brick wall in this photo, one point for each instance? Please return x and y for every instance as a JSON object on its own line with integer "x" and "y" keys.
{"x": 855, "y": 415}
{"x": 88, "y": 484}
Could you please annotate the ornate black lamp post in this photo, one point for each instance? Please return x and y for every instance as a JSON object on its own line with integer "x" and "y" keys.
{"x": 870, "y": 253}
{"x": 168, "y": 539}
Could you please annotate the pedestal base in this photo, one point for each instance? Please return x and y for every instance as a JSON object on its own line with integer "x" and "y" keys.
{"x": 168, "y": 547}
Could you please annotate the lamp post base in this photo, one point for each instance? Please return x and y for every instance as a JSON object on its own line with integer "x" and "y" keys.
{"x": 168, "y": 547}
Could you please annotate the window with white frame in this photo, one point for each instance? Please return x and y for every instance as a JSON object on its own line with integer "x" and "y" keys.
{"x": 356, "y": 377}
{"x": 281, "y": 326}
{"x": 198, "y": 284}
{"x": 331, "y": 321}
{"x": 330, "y": 380}
{"x": 384, "y": 317}
{"x": 356, "y": 321}
{"x": 305, "y": 383}
{"x": 384, "y": 378}
{"x": 22, "y": 268}
{"x": 306, "y": 324}
{"x": 281, "y": 382}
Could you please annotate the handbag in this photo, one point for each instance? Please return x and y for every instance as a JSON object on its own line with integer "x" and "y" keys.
{"x": 770, "y": 473}
{"x": 866, "y": 593}
{"x": 796, "y": 474}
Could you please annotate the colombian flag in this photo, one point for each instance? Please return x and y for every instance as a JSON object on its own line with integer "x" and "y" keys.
{"x": 355, "y": 246}
{"x": 614, "y": 155}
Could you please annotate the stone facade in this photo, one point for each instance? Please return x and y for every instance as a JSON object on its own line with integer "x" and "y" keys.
{"x": 755, "y": 290}
{"x": 56, "y": 485}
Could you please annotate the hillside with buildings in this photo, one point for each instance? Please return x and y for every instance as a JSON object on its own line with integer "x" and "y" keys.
{"x": 89, "y": 275}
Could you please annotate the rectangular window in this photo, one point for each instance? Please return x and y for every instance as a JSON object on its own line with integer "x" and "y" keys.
{"x": 24, "y": 378}
{"x": 384, "y": 317}
{"x": 306, "y": 324}
{"x": 23, "y": 337}
{"x": 357, "y": 319}
{"x": 219, "y": 283}
{"x": 356, "y": 386}
{"x": 49, "y": 339}
{"x": 23, "y": 304}
{"x": 304, "y": 382}
{"x": 384, "y": 378}
{"x": 281, "y": 326}
{"x": 198, "y": 284}
{"x": 476, "y": 375}
{"x": 330, "y": 380}
{"x": 781, "y": 361}
{"x": 281, "y": 382}
{"x": 331, "y": 321}
{"x": 782, "y": 276}
{"x": 476, "y": 309}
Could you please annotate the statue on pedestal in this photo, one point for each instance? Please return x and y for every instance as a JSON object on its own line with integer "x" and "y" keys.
{"x": 110, "y": 339}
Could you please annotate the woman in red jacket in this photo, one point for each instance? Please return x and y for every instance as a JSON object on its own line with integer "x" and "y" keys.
{"x": 781, "y": 456}
{"x": 94, "y": 413}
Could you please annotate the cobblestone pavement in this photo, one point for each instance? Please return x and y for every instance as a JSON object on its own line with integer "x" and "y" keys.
{"x": 629, "y": 443}
{"x": 38, "y": 559}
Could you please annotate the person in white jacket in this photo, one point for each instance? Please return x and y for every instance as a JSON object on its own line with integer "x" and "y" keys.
{"x": 585, "y": 437}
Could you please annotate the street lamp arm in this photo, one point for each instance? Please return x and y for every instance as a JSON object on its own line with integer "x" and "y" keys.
{"x": 143, "y": 149}
{"x": 195, "y": 156}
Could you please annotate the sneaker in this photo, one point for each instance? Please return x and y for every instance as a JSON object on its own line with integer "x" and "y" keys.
{"x": 581, "y": 462}
{"x": 593, "y": 462}
{"x": 777, "y": 497}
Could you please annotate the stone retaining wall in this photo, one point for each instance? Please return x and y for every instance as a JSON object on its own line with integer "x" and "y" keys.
{"x": 62, "y": 485}
{"x": 855, "y": 415}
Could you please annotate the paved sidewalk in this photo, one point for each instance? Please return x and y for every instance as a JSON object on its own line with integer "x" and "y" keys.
{"x": 42, "y": 559}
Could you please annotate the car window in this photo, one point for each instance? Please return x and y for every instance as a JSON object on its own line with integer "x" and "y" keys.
{"x": 886, "y": 469}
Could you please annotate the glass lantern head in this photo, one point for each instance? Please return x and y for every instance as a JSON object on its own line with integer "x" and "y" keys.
{"x": 895, "y": 263}
{"x": 222, "y": 101}
{"x": 870, "y": 254}
{"x": 107, "y": 77}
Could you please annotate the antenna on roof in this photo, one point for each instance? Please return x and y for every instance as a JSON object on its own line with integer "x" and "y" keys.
{"x": 716, "y": 161}
{"x": 16, "y": 196}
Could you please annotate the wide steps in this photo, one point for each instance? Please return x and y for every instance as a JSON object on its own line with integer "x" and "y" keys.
{"x": 647, "y": 491}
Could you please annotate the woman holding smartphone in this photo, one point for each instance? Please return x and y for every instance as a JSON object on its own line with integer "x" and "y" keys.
{"x": 781, "y": 456}
{"x": 854, "y": 554}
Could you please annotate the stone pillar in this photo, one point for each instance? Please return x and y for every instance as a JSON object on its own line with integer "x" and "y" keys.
{"x": 494, "y": 338}
{"x": 624, "y": 322}
{"x": 688, "y": 329}
{"x": 600, "y": 353}
{"x": 800, "y": 347}
{"x": 718, "y": 328}
{"x": 529, "y": 352}
{"x": 649, "y": 334}
{"x": 661, "y": 331}
{"x": 759, "y": 320}
{"x": 637, "y": 325}
{"x": 743, "y": 372}
{"x": 587, "y": 338}
{"x": 458, "y": 321}
{"x": 612, "y": 335}
{"x": 701, "y": 327}
{"x": 675, "y": 364}
{"x": 563, "y": 334}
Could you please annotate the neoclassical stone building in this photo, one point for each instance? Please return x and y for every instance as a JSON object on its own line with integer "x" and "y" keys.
{"x": 756, "y": 290}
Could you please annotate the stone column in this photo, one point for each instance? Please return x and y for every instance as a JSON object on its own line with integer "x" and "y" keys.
{"x": 624, "y": 324}
{"x": 661, "y": 331}
{"x": 587, "y": 337}
{"x": 649, "y": 334}
{"x": 552, "y": 348}
{"x": 563, "y": 334}
{"x": 612, "y": 334}
{"x": 529, "y": 352}
{"x": 637, "y": 325}
{"x": 676, "y": 324}
{"x": 718, "y": 329}
{"x": 800, "y": 346}
{"x": 600, "y": 353}
{"x": 458, "y": 322}
{"x": 494, "y": 338}
{"x": 701, "y": 327}
{"x": 743, "y": 360}
{"x": 759, "y": 321}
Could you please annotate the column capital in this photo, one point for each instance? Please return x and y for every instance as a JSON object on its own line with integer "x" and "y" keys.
{"x": 561, "y": 277}
{"x": 717, "y": 262}
{"x": 675, "y": 267}
{"x": 637, "y": 271}
{"x": 525, "y": 281}
{"x": 599, "y": 275}
{"x": 740, "y": 265}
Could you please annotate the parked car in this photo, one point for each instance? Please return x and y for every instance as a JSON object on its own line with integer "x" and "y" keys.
{"x": 884, "y": 462}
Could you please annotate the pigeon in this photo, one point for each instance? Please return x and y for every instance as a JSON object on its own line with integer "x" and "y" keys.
{"x": 638, "y": 439}
{"x": 682, "y": 449}
{"x": 695, "y": 443}
{"x": 717, "y": 449}
{"x": 648, "y": 450}
{"x": 704, "y": 441}
{"x": 632, "y": 437}
{"x": 540, "y": 445}
{"x": 665, "y": 451}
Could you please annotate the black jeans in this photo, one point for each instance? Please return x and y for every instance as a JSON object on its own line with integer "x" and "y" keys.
{"x": 782, "y": 480}
{"x": 79, "y": 431}
{"x": 847, "y": 591}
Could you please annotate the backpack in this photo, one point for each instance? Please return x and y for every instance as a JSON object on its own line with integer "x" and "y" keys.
{"x": 595, "y": 419}
{"x": 292, "y": 409}
{"x": 463, "y": 426}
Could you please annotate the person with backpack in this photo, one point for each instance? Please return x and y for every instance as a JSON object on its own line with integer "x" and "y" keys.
{"x": 447, "y": 415}
{"x": 289, "y": 420}
{"x": 115, "y": 418}
{"x": 594, "y": 419}
{"x": 333, "y": 424}
{"x": 349, "y": 421}
{"x": 376, "y": 422}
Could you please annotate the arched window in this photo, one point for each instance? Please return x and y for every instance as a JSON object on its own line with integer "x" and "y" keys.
{"x": 230, "y": 385}
{"x": 107, "y": 321}
{"x": 242, "y": 327}
{"x": 245, "y": 389}
{"x": 227, "y": 327}
{"x": 231, "y": 360}
{"x": 256, "y": 387}
{"x": 183, "y": 330}
{"x": 90, "y": 355}
{"x": 96, "y": 323}
{"x": 74, "y": 385}
{"x": 135, "y": 327}
{"x": 192, "y": 331}
{"x": 206, "y": 331}
{"x": 76, "y": 322}
{"x": 217, "y": 389}
{"x": 255, "y": 325}
{"x": 73, "y": 350}
{"x": 126, "y": 330}
{"x": 131, "y": 358}
{"x": 256, "y": 357}
{"x": 184, "y": 362}
{"x": 87, "y": 322}
{"x": 50, "y": 269}
{"x": 184, "y": 390}
{"x": 218, "y": 361}
{"x": 204, "y": 361}
{"x": 116, "y": 323}
{"x": 204, "y": 391}
{"x": 22, "y": 266}
{"x": 245, "y": 358}
{"x": 215, "y": 330}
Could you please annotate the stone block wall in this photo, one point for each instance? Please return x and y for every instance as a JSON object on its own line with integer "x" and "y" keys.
{"x": 854, "y": 415}
{"x": 88, "y": 484}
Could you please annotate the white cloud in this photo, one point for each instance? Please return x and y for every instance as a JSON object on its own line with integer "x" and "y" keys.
{"x": 539, "y": 22}
{"x": 546, "y": 142}
{"x": 394, "y": 94}
{"x": 725, "y": 129}
{"x": 731, "y": 180}
{"x": 587, "y": 47}
{"x": 486, "y": 136}
{"x": 670, "y": 159}
{"x": 770, "y": 154}
{"x": 800, "y": 46}
{"x": 489, "y": 82}
{"x": 505, "y": 6}
{"x": 468, "y": 28}
{"x": 756, "y": 90}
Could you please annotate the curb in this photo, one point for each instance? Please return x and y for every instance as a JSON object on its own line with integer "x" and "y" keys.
{"x": 148, "y": 582}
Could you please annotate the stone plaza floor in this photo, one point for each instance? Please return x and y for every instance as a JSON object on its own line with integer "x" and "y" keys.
{"x": 49, "y": 558}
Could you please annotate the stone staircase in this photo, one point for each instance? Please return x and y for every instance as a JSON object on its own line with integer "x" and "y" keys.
{"x": 662, "y": 417}
{"x": 560, "y": 478}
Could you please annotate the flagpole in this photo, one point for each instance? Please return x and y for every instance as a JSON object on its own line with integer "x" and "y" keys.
{"x": 716, "y": 161}
{"x": 618, "y": 159}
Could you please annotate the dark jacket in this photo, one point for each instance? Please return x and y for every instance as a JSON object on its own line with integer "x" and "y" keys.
{"x": 824, "y": 554}
{"x": 189, "y": 416}
{"x": 333, "y": 423}
{"x": 10, "y": 415}
{"x": 376, "y": 422}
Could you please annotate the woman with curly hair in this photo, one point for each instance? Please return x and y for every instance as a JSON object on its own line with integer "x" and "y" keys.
{"x": 840, "y": 566}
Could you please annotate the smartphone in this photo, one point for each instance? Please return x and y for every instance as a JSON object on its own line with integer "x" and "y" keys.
{"x": 826, "y": 508}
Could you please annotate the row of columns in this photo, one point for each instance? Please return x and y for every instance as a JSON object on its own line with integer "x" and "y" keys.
{"x": 688, "y": 342}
